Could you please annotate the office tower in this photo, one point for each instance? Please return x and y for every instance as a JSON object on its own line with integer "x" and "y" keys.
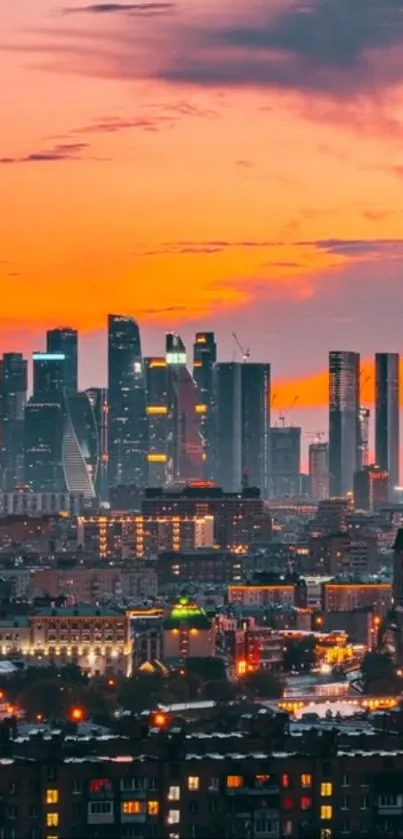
{"x": 64, "y": 341}
{"x": 371, "y": 488}
{"x": 344, "y": 405}
{"x": 98, "y": 397}
{"x": 48, "y": 374}
{"x": 186, "y": 455}
{"x": 80, "y": 446}
{"x": 156, "y": 381}
{"x": 228, "y": 425}
{"x": 387, "y": 416}
{"x": 363, "y": 419}
{"x": 319, "y": 471}
{"x": 44, "y": 424}
{"x": 255, "y": 421}
{"x": 204, "y": 359}
{"x": 285, "y": 460}
{"x": 13, "y": 397}
{"x": 128, "y": 430}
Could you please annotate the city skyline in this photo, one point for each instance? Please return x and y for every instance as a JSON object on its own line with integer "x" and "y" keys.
{"x": 134, "y": 184}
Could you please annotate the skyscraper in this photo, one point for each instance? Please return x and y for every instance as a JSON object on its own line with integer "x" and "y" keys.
{"x": 256, "y": 425}
{"x": 228, "y": 425}
{"x": 44, "y": 424}
{"x": 285, "y": 460}
{"x": 64, "y": 341}
{"x": 13, "y": 397}
{"x": 186, "y": 444}
{"x": 204, "y": 359}
{"x": 98, "y": 397}
{"x": 156, "y": 378}
{"x": 80, "y": 446}
{"x": 387, "y": 415}
{"x": 344, "y": 406}
{"x": 128, "y": 430}
{"x": 319, "y": 471}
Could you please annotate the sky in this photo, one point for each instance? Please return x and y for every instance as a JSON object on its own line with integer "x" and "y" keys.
{"x": 234, "y": 166}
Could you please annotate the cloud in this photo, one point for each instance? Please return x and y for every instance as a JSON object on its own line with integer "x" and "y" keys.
{"x": 61, "y": 151}
{"x": 152, "y": 117}
{"x": 143, "y": 9}
{"x": 358, "y": 247}
{"x": 244, "y": 164}
{"x": 209, "y": 246}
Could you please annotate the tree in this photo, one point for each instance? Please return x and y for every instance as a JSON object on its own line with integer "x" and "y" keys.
{"x": 379, "y": 675}
{"x": 263, "y": 683}
{"x": 220, "y": 690}
{"x": 43, "y": 698}
{"x": 300, "y": 655}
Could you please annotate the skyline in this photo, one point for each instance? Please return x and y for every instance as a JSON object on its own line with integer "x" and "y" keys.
{"x": 140, "y": 188}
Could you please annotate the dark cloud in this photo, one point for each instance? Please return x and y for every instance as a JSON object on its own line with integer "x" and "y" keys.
{"x": 143, "y": 9}
{"x": 244, "y": 164}
{"x": 210, "y": 246}
{"x": 62, "y": 151}
{"x": 153, "y": 119}
{"x": 357, "y": 247}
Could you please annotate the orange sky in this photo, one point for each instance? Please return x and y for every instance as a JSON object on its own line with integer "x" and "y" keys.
{"x": 132, "y": 181}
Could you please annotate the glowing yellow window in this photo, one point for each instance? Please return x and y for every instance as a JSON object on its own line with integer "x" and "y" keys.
{"x": 153, "y": 808}
{"x": 133, "y": 808}
{"x": 52, "y": 819}
{"x": 52, "y": 796}
{"x": 306, "y": 781}
{"x": 234, "y": 781}
{"x": 326, "y": 790}
{"x": 326, "y": 812}
{"x": 193, "y": 782}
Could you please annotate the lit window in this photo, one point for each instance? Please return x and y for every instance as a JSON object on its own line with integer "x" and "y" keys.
{"x": 174, "y": 794}
{"x": 306, "y": 781}
{"x": 153, "y": 808}
{"x": 285, "y": 781}
{"x": 133, "y": 808}
{"x": 52, "y": 819}
{"x": 326, "y": 790}
{"x": 173, "y": 816}
{"x": 52, "y": 796}
{"x": 326, "y": 812}
{"x": 193, "y": 783}
{"x": 234, "y": 781}
{"x": 326, "y": 833}
{"x": 306, "y": 802}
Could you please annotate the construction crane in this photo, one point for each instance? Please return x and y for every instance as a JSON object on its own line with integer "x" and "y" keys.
{"x": 317, "y": 435}
{"x": 282, "y": 417}
{"x": 245, "y": 352}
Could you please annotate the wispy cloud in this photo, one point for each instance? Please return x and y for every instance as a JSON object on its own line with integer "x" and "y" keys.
{"x": 152, "y": 118}
{"x": 132, "y": 9}
{"x": 59, "y": 152}
{"x": 358, "y": 247}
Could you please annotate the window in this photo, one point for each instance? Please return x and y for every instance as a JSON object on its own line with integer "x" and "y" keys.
{"x": 234, "y": 781}
{"x": 51, "y": 773}
{"x": 193, "y": 808}
{"x": 153, "y": 784}
{"x": 99, "y": 785}
{"x": 174, "y": 793}
{"x": 326, "y": 790}
{"x": 52, "y": 819}
{"x": 345, "y": 826}
{"x": 285, "y": 781}
{"x": 33, "y": 811}
{"x": 52, "y": 796}
{"x": 306, "y": 781}
{"x": 306, "y": 802}
{"x": 345, "y": 802}
{"x": 365, "y": 780}
{"x": 326, "y": 833}
{"x": 133, "y": 808}
{"x": 12, "y": 811}
{"x": 173, "y": 817}
{"x": 387, "y": 800}
{"x": 214, "y": 784}
{"x": 326, "y": 812}
{"x": 100, "y": 808}
{"x": 13, "y": 788}
{"x": 193, "y": 782}
{"x": 345, "y": 780}
{"x": 76, "y": 787}
{"x": 287, "y": 828}
{"x": 288, "y": 803}
{"x": 364, "y": 803}
{"x": 153, "y": 808}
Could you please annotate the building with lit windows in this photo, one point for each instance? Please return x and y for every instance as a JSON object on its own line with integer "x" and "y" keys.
{"x": 289, "y": 591}
{"x": 255, "y": 423}
{"x": 81, "y": 453}
{"x": 319, "y": 471}
{"x": 13, "y": 397}
{"x": 188, "y": 632}
{"x": 371, "y": 488}
{"x": 204, "y": 359}
{"x": 127, "y": 427}
{"x": 186, "y": 448}
{"x": 344, "y": 428}
{"x": 143, "y": 536}
{"x": 156, "y": 373}
{"x": 344, "y": 595}
{"x": 285, "y": 460}
{"x": 98, "y": 399}
{"x": 387, "y": 417}
{"x": 228, "y": 425}
{"x": 64, "y": 341}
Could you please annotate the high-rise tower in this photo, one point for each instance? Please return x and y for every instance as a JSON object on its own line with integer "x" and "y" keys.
{"x": 204, "y": 359}
{"x": 186, "y": 444}
{"x": 128, "y": 430}
{"x": 344, "y": 430}
{"x": 387, "y": 415}
{"x": 319, "y": 471}
{"x": 64, "y": 341}
{"x": 13, "y": 397}
{"x": 44, "y": 424}
{"x": 255, "y": 419}
{"x": 156, "y": 372}
{"x": 228, "y": 425}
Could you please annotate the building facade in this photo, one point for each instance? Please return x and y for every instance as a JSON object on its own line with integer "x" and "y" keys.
{"x": 319, "y": 471}
{"x": 13, "y": 397}
{"x": 64, "y": 341}
{"x": 204, "y": 359}
{"x": 344, "y": 430}
{"x": 255, "y": 423}
{"x": 387, "y": 417}
{"x": 228, "y": 425}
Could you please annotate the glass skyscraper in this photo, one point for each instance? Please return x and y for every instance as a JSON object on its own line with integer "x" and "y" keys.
{"x": 128, "y": 429}
{"x": 387, "y": 415}
{"x": 228, "y": 425}
{"x": 344, "y": 421}
{"x": 64, "y": 341}
{"x": 204, "y": 359}
{"x": 256, "y": 425}
{"x": 186, "y": 443}
{"x": 13, "y": 397}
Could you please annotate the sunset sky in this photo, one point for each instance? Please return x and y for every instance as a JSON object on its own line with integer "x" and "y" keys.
{"x": 232, "y": 165}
